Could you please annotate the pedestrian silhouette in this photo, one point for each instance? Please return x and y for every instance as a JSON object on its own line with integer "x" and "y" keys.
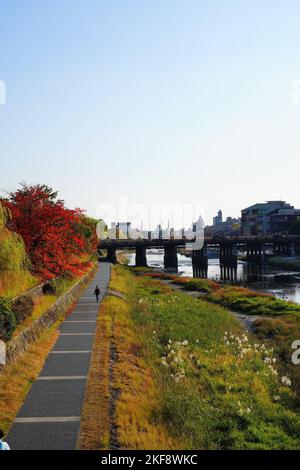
{"x": 97, "y": 293}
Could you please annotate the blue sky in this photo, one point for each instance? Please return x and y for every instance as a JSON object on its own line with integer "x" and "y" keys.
{"x": 160, "y": 101}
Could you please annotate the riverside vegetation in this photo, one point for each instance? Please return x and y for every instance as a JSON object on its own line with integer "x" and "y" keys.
{"x": 35, "y": 227}
{"x": 40, "y": 241}
{"x": 186, "y": 375}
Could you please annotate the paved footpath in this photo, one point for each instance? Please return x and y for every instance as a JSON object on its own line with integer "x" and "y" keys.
{"x": 50, "y": 416}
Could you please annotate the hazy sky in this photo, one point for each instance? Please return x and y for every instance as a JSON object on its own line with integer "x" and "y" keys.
{"x": 160, "y": 101}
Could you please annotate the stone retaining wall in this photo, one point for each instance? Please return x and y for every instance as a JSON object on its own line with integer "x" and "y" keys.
{"x": 19, "y": 344}
{"x": 36, "y": 291}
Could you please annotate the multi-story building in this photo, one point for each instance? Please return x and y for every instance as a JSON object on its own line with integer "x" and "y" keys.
{"x": 218, "y": 219}
{"x": 257, "y": 219}
{"x": 284, "y": 220}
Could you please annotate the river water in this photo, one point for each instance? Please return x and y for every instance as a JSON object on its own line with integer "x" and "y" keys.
{"x": 261, "y": 278}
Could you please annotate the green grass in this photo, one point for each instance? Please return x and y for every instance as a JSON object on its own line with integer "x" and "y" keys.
{"x": 217, "y": 389}
{"x": 201, "y": 285}
{"x": 252, "y": 303}
{"x": 189, "y": 284}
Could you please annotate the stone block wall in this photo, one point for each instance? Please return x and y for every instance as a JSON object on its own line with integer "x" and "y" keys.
{"x": 19, "y": 344}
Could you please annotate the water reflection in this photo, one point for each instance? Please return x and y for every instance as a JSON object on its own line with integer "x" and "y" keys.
{"x": 257, "y": 276}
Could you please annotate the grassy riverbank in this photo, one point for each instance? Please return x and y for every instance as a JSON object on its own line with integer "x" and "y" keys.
{"x": 186, "y": 376}
{"x": 236, "y": 298}
{"x": 277, "y": 321}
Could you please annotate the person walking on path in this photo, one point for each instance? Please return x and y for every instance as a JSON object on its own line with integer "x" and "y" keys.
{"x": 3, "y": 445}
{"x": 97, "y": 293}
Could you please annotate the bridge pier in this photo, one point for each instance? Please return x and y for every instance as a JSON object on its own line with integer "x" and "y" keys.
{"x": 279, "y": 248}
{"x": 262, "y": 253}
{"x": 170, "y": 257}
{"x": 284, "y": 248}
{"x": 199, "y": 257}
{"x": 256, "y": 252}
{"x": 112, "y": 255}
{"x": 229, "y": 273}
{"x": 200, "y": 271}
{"x": 228, "y": 254}
{"x": 140, "y": 256}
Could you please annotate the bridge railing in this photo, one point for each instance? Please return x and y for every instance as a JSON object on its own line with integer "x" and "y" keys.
{"x": 213, "y": 239}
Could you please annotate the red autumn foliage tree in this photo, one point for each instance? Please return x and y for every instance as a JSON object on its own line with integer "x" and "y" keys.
{"x": 51, "y": 232}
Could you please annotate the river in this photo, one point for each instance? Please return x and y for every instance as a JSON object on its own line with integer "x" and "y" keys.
{"x": 260, "y": 278}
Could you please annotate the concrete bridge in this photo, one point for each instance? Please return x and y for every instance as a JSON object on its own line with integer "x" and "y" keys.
{"x": 254, "y": 247}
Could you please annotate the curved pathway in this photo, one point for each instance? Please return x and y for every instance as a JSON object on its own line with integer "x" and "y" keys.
{"x": 50, "y": 417}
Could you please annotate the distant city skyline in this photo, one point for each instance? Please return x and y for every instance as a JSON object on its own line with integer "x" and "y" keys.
{"x": 163, "y": 102}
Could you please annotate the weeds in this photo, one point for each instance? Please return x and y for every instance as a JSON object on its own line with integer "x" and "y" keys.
{"x": 218, "y": 388}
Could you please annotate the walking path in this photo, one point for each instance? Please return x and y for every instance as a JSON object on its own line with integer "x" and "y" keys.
{"x": 50, "y": 416}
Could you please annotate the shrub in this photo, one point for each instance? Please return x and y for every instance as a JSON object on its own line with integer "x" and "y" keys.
{"x": 22, "y": 308}
{"x": 49, "y": 288}
{"x": 52, "y": 233}
{"x": 58, "y": 286}
{"x": 201, "y": 285}
{"x": 167, "y": 277}
{"x": 7, "y": 320}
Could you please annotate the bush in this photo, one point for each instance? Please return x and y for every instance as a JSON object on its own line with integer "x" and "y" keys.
{"x": 49, "y": 288}
{"x": 7, "y": 320}
{"x": 23, "y": 308}
{"x": 59, "y": 286}
{"x": 201, "y": 285}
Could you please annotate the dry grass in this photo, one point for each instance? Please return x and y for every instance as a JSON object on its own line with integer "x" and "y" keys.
{"x": 18, "y": 377}
{"x": 13, "y": 283}
{"x": 134, "y": 407}
{"x": 133, "y": 378}
{"x": 138, "y": 398}
{"x": 44, "y": 302}
{"x": 94, "y": 431}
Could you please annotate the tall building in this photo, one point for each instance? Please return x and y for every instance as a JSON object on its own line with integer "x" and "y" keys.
{"x": 218, "y": 219}
{"x": 257, "y": 219}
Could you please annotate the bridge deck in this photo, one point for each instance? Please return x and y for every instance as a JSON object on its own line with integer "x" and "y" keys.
{"x": 120, "y": 244}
